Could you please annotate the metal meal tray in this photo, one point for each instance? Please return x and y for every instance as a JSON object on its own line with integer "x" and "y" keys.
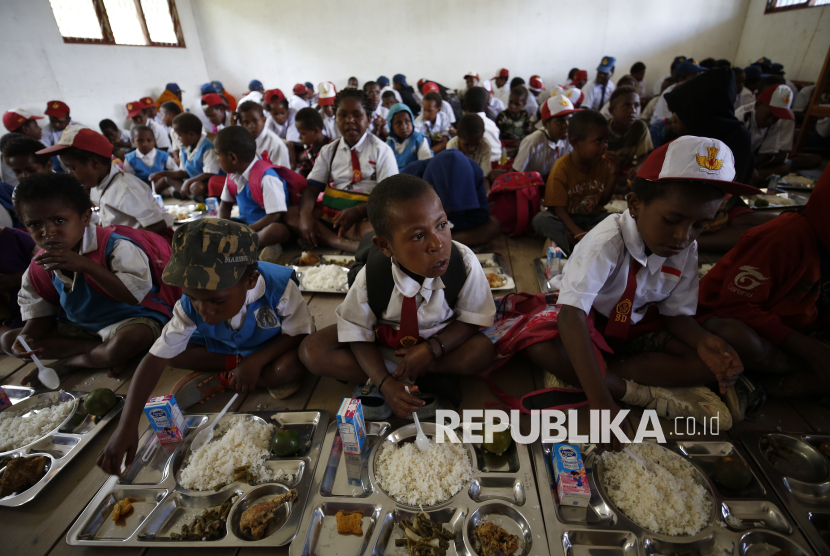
{"x": 300, "y": 270}
{"x": 759, "y": 526}
{"x": 803, "y": 483}
{"x": 799, "y": 201}
{"x": 194, "y": 214}
{"x": 539, "y": 265}
{"x": 498, "y": 266}
{"x": 502, "y": 490}
{"x": 166, "y": 506}
{"x": 62, "y": 444}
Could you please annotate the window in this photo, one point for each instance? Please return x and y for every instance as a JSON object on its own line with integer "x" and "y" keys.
{"x": 124, "y": 22}
{"x": 774, "y": 6}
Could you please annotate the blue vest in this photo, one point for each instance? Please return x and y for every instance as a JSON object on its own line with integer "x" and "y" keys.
{"x": 193, "y": 166}
{"x": 261, "y": 325}
{"x": 142, "y": 171}
{"x": 249, "y": 210}
{"x": 410, "y": 154}
{"x": 87, "y": 308}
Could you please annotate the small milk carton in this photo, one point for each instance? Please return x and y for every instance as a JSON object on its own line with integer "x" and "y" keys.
{"x": 5, "y": 402}
{"x": 166, "y": 419}
{"x": 571, "y": 480}
{"x": 554, "y": 261}
{"x": 212, "y": 206}
{"x": 350, "y": 423}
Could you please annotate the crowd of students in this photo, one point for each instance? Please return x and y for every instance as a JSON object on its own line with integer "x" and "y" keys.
{"x": 401, "y": 175}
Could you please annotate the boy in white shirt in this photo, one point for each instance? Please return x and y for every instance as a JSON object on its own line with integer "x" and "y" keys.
{"x": 495, "y": 104}
{"x": 197, "y": 161}
{"x": 383, "y": 83}
{"x": 146, "y": 159}
{"x": 140, "y": 116}
{"x": 268, "y": 146}
{"x": 632, "y": 282}
{"x": 771, "y": 125}
{"x": 59, "y": 118}
{"x": 472, "y": 79}
{"x": 325, "y": 100}
{"x": 540, "y": 150}
{"x": 744, "y": 96}
{"x": 682, "y": 73}
{"x": 378, "y": 123}
{"x": 501, "y": 90}
{"x": 415, "y": 308}
{"x": 280, "y": 120}
{"x": 475, "y": 102}
{"x": 217, "y": 112}
{"x": 300, "y": 98}
{"x": 433, "y": 123}
{"x": 598, "y": 91}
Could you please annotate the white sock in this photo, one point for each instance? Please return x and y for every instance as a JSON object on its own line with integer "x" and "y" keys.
{"x": 636, "y": 394}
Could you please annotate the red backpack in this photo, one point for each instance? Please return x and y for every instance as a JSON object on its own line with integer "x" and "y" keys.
{"x": 158, "y": 253}
{"x": 295, "y": 182}
{"x": 515, "y": 200}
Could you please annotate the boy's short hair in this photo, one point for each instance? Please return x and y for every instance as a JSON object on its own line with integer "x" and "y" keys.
{"x": 368, "y": 85}
{"x": 520, "y": 91}
{"x": 572, "y": 73}
{"x": 583, "y": 122}
{"x": 434, "y": 97}
{"x": 388, "y": 94}
{"x": 8, "y": 138}
{"x": 620, "y": 91}
{"x": 85, "y": 157}
{"x": 237, "y": 140}
{"x": 107, "y": 124}
{"x": 23, "y": 145}
{"x": 398, "y": 189}
{"x": 627, "y": 81}
{"x": 475, "y": 99}
{"x": 515, "y": 82}
{"x": 470, "y": 125}
{"x": 171, "y": 107}
{"x": 648, "y": 191}
{"x": 188, "y": 122}
{"x": 310, "y": 118}
{"x": 724, "y": 63}
{"x": 251, "y": 105}
{"x": 770, "y": 80}
{"x": 708, "y": 63}
{"x": 41, "y": 187}
{"x": 638, "y": 67}
{"x": 136, "y": 129}
{"x": 357, "y": 94}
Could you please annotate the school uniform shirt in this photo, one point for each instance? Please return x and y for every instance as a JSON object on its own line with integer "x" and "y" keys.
{"x": 802, "y": 99}
{"x": 381, "y": 111}
{"x": 538, "y": 153}
{"x": 502, "y": 93}
{"x": 648, "y": 111}
{"x": 51, "y": 136}
{"x": 330, "y": 126}
{"x": 532, "y": 106}
{"x": 474, "y": 305}
{"x": 253, "y": 96}
{"x": 772, "y": 140}
{"x": 390, "y": 88}
{"x": 7, "y": 173}
{"x": 597, "y": 273}
{"x": 400, "y": 148}
{"x": 376, "y": 159}
{"x": 227, "y": 122}
{"x": 447, "y": 111}
{"x": 292, "y": 311}
{"x": 658, "y": 84}
{"x": 433, "y": 130}
{"x": 273, "y": 190}
{"x": 127, "y": 201}
{"x": 127, "y": 261}
{"x": 596, "y": 95}
{"x": 210, "y": 162}
{"x": 160, "y": 121}
{"x": 746, "y": 97}
{"x": 661, "y": 107}
{"x": 496, "y": 105}
{"x": 176, "y": 141}
{"x": 196, "y": 108}
{"x": 578, "y": 192}
{"x": 287, "y": 131}
{"x": 160, "y": 134}
{"x": 641, "y": 89}
{"x": 481, "y": 157}
{"x": 298, "y": 103}
{"x": 491, "y": 133}
{"x": 277, "y": 150}
{"x": 149, "y": 159}
{"x": 309, "y": 157}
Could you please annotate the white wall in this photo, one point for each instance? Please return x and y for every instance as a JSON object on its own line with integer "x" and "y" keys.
{"x": 798, "y": 39}
{"x": 96, "y": 81}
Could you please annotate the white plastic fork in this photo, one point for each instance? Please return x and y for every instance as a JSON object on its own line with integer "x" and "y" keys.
{"x": 206, "y": 435}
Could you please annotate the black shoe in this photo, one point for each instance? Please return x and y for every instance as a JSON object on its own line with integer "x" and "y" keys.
{"x": 177, "y": 194}
{"x": 751, "y": 396}
{"x": 442, "y": 385}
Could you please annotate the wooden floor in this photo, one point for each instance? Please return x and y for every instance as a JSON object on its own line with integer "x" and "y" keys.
{"x": 39, "y": 527}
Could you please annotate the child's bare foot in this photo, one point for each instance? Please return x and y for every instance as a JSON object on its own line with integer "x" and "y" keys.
{"x": 31, "y": 379}
{"x": 116, "y": 370}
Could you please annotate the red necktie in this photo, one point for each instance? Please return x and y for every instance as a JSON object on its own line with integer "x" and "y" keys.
{"x": 357, "y": 175}
{"x": 620, "y": 319}
{"x": 408, "y": 333}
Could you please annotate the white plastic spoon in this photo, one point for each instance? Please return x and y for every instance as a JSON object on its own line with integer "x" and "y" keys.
{"x": 206, "y": 435}
{"x": 421, "y": 440}
{"x": 637, "y": 458}
{"x": 46, "y": 375}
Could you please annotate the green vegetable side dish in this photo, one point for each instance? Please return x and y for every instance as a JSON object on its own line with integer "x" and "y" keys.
{"x": 732, "y": 473}
{"x": 502, "y": 440}
{"x": 285, "y": 443}
{"x": 100, "y": 401}
{"x": 760, "y": 203}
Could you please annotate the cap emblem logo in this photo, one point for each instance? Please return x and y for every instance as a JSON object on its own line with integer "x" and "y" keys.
{"x": 604, "y": 61}
{"x": 786, "y": 99}
{"x": 55, "y": 105}
{"x": 710, "y": 164}
{"x": 21, "y": 120}
{"x": 129, "y": 107}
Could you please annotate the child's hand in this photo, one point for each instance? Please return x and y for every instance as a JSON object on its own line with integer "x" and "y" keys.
{"x": 308, "y": 228}
{"x": 609, "y": 404}
{"x": 611, "y": 159}
{"x": 453, "y": 131}
{"x": 19, "y": 351}
{"x": 155, "y": 176}
{"x": 188, "y": 183}
{"x": 400, "y": 401}
{"x": 122, "y": 442}
{"x": 346, "y": 219}
{"x": 245, "y": 376}
{"x": 416, "y": 362}
{"x": 62, "y": 259}
{"x": 721, "y": 360}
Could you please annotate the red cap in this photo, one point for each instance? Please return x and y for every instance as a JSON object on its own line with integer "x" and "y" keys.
{"x": 503, "y": 73}
{"x": 581, "y": 75}
{"x": 536, "y": 83}
{"x": 420, "y": 84}
{"x": 13, "y": 119}
{"x": 56, "y": 108}
{"x": 148, "y": 102}
{"x": 82, "y": 138}
{"x": 134, "y": 108}
{"x": 431, "y": 87}
{"x": 779, "y": 98}
{"x": 272, "y": 95}
{"x": 300, "y": 89}
{"x": 213, "y": 99}
{"x": 557, "y": 105}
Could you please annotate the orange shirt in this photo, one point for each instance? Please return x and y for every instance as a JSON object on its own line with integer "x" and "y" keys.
{"x": 578, "y": 192}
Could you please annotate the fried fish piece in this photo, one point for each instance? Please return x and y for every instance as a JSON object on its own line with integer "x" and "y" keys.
{"x": 496, "y": 541}
{"x": 255, "y": 519}
{"x": 348, "y": 523}
{"x": 308, "y": 259}
{"x": 495, "y": 280}
{"x": 22, "y": 474}
{"x": 124, "y": 508}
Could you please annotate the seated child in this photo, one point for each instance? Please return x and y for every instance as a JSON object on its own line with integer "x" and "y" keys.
{"x": 470, "y": 141}
{"x": 168, "y": 112}
{"x": 280, "y": 120}
{"x": 59, "y": 119}
{"x": 121, "y": 141}
{"x": 347, "y": 170}
{"x": 377, "y": 118}
{"x": 20, "y": 122}
{"x": 770, "y": 124}
{"x": 146, "y": 159}
{"x": 408, "y": 144}
{"x": 197, "y": 161}
{"x": 310, "y": 127}
{"x": 638, "y": 72}
{"x": 141, "y": 116}
{"x": 408, "y": 326}
{"x": 641, "y": 267}
{"x": 389, "y": 99}
{"x": 121, "y": 198}
{"x": 475, "y": 102}
{"x": 540, "y": 150}
{"x": 433, "y": 123}
{"x": 628, "y": 135}
{"x": 325, "y": 102}
{"x": 262, "y": 195}
{"x": 239, "y": 330}
{"x": 459, "y": 183}
{"x": 744, "y": 96}
{"x": 18, "y": 250}
{"x": 268, "y": 146}
{"x": 217, "y": 112}
{"x": 90, "y": 298}
{"x": 580, "y": 184}
{"x": 514, "y": 123}
{"x": 21, "y": 157}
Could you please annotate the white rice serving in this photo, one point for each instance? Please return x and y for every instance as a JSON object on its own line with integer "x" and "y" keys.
{"x": 245, "y": 444}
{"x": 17, "y": 430}
{"x": 426, "y": 478}
{"x": 324, "y": 277}
{"x": 665, "y": 499}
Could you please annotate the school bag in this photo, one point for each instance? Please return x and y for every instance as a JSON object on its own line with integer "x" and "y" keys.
{"x": 295, "y": 183}
{"x": 158, "y": 253}
{"x": 515, "y": 200}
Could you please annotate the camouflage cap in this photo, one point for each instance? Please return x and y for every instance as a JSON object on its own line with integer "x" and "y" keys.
{"x": 210, "y": 254}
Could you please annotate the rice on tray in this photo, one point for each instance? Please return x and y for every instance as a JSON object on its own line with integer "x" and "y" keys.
{"x": 426, "y": 478}
{"x": 17, "y": 430}
{"x": 666, "y": 499}
{"x": 245, "y": 444}
{"x": 324, "y": 277}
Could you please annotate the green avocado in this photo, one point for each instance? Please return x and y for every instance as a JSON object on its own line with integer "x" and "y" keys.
{"x": 285, "y": 443}
{"x": 100, "y": 401}
{"x": 733, "y": 473}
